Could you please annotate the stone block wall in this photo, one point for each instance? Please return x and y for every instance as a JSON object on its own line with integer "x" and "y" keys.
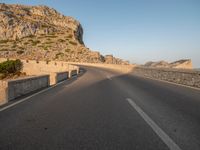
{"x": 52, "y": 68}
{"x": 56, "y": 77}
{"x": 115, "y": 67}
{"x": 13, "y": 89}
{"x": 62, "y": 76}
{"x": 179, "y": 76}
{"x": 43, "y": 74}
{"x": 32, "y": 67}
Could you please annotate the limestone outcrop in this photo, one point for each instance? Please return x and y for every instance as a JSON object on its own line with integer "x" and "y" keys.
{"x": 180, "y": 64}
{"x": 42, "y": 33}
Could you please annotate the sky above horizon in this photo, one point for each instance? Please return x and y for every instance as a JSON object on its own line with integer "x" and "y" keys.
{"x": 135, "y": 30}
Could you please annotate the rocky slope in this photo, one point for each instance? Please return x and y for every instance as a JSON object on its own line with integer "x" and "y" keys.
{"x": 40, "y": 32}
{"x": 180, "y": 64}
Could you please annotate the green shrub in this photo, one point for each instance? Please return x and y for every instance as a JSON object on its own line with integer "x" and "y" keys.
{"x": 51, "y": 36}
{"x": 4, "y": 41}
{"x": 10, "y": 66}
{"x": 53, "y": 33}
{"x": 60, "y": 54}
{"x": 48, "y": 42}
{"x": 45, "y": 26}
{"x": 29, "y": 36}
{"x": 67, "y": 50}
{"x": 20, "y": 52}
{"x": 61, "y": 40}
{"x": 69, "y": 36}
{"x": 73, "y": 42}
{"x": 45, "y": 48}
{"x": 47, "y": 61}
{"x": 30, "y": 40}
{"x": 26, "y": 43}
{"x": 34, "y": 43}
{"x": 3, "y": 49}
{"x": 19, "y": 47}
{"x": 14, "y": 46}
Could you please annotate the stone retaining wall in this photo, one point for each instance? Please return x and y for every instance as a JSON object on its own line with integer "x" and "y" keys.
{"x": 33, "y": 67}
{"x": 115, "y": 67}
{"x": 46, "y": 73}
{"x": 52, "y": 68}
{"x": 179, "y": 76}
{"x": 42, "y": 67}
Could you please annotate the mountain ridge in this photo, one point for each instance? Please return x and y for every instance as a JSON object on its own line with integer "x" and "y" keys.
{"x": 42, "y": 33}
{"x": 179, "y": 64}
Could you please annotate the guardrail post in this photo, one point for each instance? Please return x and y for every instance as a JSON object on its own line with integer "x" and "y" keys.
{"x": 3, "y": 92}
{"x": 78, "y": 69}
{"x": 70, "y": 74}
{"x": 53, "y": 78}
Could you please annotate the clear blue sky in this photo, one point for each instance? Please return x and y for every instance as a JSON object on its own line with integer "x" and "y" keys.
{"x": 136, "y": 30}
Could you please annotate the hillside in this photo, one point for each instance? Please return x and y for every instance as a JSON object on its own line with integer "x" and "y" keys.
{"x": 42, "y": 33}
{"x": 180, "y": 64}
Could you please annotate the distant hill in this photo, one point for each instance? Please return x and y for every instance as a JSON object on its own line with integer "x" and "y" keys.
{"x": 180, "y": 64}
{"x": 42, "y": 33}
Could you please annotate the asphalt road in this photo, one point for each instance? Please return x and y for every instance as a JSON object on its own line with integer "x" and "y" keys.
{"x": 103, "y": 110}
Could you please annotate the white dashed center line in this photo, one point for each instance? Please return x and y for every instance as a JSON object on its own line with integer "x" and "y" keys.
{"x": 163, "y": 136}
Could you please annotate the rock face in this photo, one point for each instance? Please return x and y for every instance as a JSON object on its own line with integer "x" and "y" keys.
{"x": 109, "y": 59}
{"x": 157, "y": 64}
{"x": 180, "y": 64}
{"x": 40, "y": 32}
{"x": 18, "y": 21}
{"x": 184, "y": 64}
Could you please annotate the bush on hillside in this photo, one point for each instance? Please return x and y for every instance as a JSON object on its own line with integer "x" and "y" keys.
{"x": 10, "y": 66}
{"x": 73, "y": 42}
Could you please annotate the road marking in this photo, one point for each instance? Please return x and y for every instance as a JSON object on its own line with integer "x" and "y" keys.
{"x": 26, "y": 98}
{"x": 164, "y": 137}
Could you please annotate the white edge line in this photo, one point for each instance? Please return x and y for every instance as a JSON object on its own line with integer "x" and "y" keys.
{"x": 190, "y": 87}
{"x": 26, "y": 98}
{"x": 163, "y": 136}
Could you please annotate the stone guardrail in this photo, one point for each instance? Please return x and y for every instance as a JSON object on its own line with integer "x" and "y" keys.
{"x": 179, "y": 76}
{"x": 13, "y": 89}
{"x": 56, "y": 71}
{"x": 52, "y": 68}
{"x": 58, "y": 77}
{"x": 61, "y": 76}
{"x": 115, "y": 67}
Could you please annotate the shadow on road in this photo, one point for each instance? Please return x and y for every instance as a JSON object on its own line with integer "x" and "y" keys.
{"x": 66, "y": 82}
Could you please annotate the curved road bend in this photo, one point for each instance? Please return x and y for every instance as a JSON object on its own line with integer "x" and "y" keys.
{"x": 105, "y": 111}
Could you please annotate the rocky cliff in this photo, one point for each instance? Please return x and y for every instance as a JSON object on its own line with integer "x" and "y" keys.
{"x": 180, "y": 64}
{"x": 40, "y": 32}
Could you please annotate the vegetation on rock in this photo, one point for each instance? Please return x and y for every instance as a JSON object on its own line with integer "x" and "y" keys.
{"x": 10, "y": 67}
{"x": 180, "y": 64}
{"x": 40, "y": 33}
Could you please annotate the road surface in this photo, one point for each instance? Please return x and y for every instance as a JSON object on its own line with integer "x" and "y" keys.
{"x": 103, "y": 110}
